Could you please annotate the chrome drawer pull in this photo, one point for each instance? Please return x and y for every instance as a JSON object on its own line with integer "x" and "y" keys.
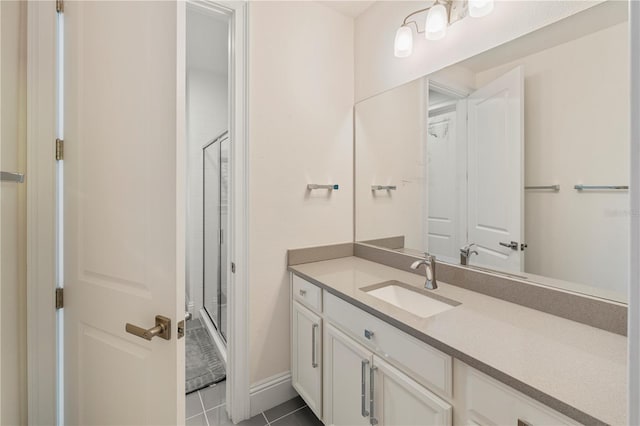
{"x": 314, "y": 346}
{"x": 368, "y": 334}
{"x": 303, "y": 292}
{"x": 364, "y": 411}
{"x": 373, "y": 420}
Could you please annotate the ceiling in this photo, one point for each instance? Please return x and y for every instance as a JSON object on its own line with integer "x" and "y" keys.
{"x": 349, "y": 8}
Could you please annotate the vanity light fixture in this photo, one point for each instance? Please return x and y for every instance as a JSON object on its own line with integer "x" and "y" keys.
{"x": 440, "y": 15}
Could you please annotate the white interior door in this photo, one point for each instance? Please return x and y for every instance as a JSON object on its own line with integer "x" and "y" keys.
{"x": 123, "y": 213}
{"x": 496, "y": 171}
{"x": 443, "y": 186}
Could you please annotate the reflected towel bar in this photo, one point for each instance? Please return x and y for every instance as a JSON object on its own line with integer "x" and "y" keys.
{"x": 316, "y": 186}
{"x": 11, "y": 177}
{"x": 555, "y": 188}
{"x": 383, "y": 187}
{"x": 581, "y": 187}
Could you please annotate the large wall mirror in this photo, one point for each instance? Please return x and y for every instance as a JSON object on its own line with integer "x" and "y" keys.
{"x": 521, "y": 151}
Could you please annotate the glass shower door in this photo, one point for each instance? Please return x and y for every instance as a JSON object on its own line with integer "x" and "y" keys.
{"x": 215, "y": 157}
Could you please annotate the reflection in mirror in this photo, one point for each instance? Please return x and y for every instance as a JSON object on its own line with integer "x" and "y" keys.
{"x": 485, "y": 157}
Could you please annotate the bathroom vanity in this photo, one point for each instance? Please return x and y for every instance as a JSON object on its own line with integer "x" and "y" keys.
{"x": 488, "y": 164}
{"x": 360, "y": 358}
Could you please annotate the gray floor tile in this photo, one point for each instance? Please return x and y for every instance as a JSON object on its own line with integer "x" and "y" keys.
{"x": 258, "y": 420}
{"x": 193, "y": 405}
{"x": 213, "y": 396}
{"x": 197, "y": 421}
{"x": 284, "y": 408}
{"x": 218, "y": 417}
{"x": 303, "y": 417}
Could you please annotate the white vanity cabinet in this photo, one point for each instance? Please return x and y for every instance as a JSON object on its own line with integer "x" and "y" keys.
{"x": 360, "y": 389}
{"x": 306, "y": 344}
{"x": 346, "y": 369}
{"x": 484, "y": 401}
{"x": 352, "y": 368}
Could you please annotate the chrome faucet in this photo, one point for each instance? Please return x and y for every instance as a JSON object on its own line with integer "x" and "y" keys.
{"x": 429, "y": 263}
{"x": 466, "y": 252}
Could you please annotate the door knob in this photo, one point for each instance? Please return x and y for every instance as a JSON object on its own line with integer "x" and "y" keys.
{"x": 162, "y": 329}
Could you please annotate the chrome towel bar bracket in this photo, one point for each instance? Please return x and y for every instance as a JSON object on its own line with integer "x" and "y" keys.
{"x": 581, "y": 187}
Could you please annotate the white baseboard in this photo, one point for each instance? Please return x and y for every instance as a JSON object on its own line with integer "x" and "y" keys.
{"x": 271, "y": 392}
{"x": 217, "y": 340}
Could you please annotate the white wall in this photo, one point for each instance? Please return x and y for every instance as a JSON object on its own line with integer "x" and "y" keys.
{"x": 13, "y": 350}
{"x": 577, "y": 131}
{"x": 207, "y": 117}
{"x": 301, "y": 131}
{"x": 376, "y": 69}
{"x": 390, "y": 131}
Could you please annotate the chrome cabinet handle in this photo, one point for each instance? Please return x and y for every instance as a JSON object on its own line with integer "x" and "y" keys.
{"x": 303, "y": 292}
{"x": 364, "y": 411}
{"x": 162, "y": 329}
{"x": 368, "y": 334}
{"x": 372, "y": 387}
{"x": 314, "y": 346}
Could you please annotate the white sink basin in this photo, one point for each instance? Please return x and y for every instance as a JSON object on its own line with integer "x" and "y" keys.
{"x": 410, "y": 300}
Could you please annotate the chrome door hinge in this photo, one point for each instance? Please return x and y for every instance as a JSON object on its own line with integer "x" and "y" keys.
{"x": 59, "y": 6}
{"x": 59, "y": 149}
{"x": 59, "y": 298}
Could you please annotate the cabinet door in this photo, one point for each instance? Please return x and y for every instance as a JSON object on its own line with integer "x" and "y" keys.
{"x": 346, "y": 386}
{"x": 306, "y": 357}
{"x": 399, "y": 400}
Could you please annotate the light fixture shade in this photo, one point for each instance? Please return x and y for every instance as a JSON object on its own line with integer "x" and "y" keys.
{"x": 403, "y": 45}
{"x": 480, "y": 8}
{"x": 437, "y": 21}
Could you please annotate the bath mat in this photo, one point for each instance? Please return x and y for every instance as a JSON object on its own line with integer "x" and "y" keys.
{"x": 204, "y": 366}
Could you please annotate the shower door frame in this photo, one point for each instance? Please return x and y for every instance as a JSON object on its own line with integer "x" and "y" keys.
{"x": 217, "y": 322}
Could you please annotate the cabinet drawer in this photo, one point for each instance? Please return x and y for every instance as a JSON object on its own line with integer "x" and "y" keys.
{"x": 426, "y": 365}
{"x": 307, "y": 293}
{"x": 491, "y": 402}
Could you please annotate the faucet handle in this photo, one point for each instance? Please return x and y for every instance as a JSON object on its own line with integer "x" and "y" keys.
{"x": 467, "y": 249}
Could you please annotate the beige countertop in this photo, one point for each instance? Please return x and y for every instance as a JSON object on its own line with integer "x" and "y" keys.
{"x": 578, "y": 370}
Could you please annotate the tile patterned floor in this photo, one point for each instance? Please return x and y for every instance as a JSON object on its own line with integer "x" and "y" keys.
{"x": 206, "y": 408}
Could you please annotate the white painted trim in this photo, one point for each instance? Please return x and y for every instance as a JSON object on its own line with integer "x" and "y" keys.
{"x": 634, "y": 275}
{"x": 41, "y": 271}
{"x": 238, "y": 392}
{"x": 271, "y": 392}
{"x": 238, "y": 396}
{"x": 217, "y": 340}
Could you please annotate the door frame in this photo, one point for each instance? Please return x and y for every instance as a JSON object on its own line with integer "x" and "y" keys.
{"x": 41, "y": 206}
{"x": 460, "y": 95}
{"x": 634, "y": 192}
